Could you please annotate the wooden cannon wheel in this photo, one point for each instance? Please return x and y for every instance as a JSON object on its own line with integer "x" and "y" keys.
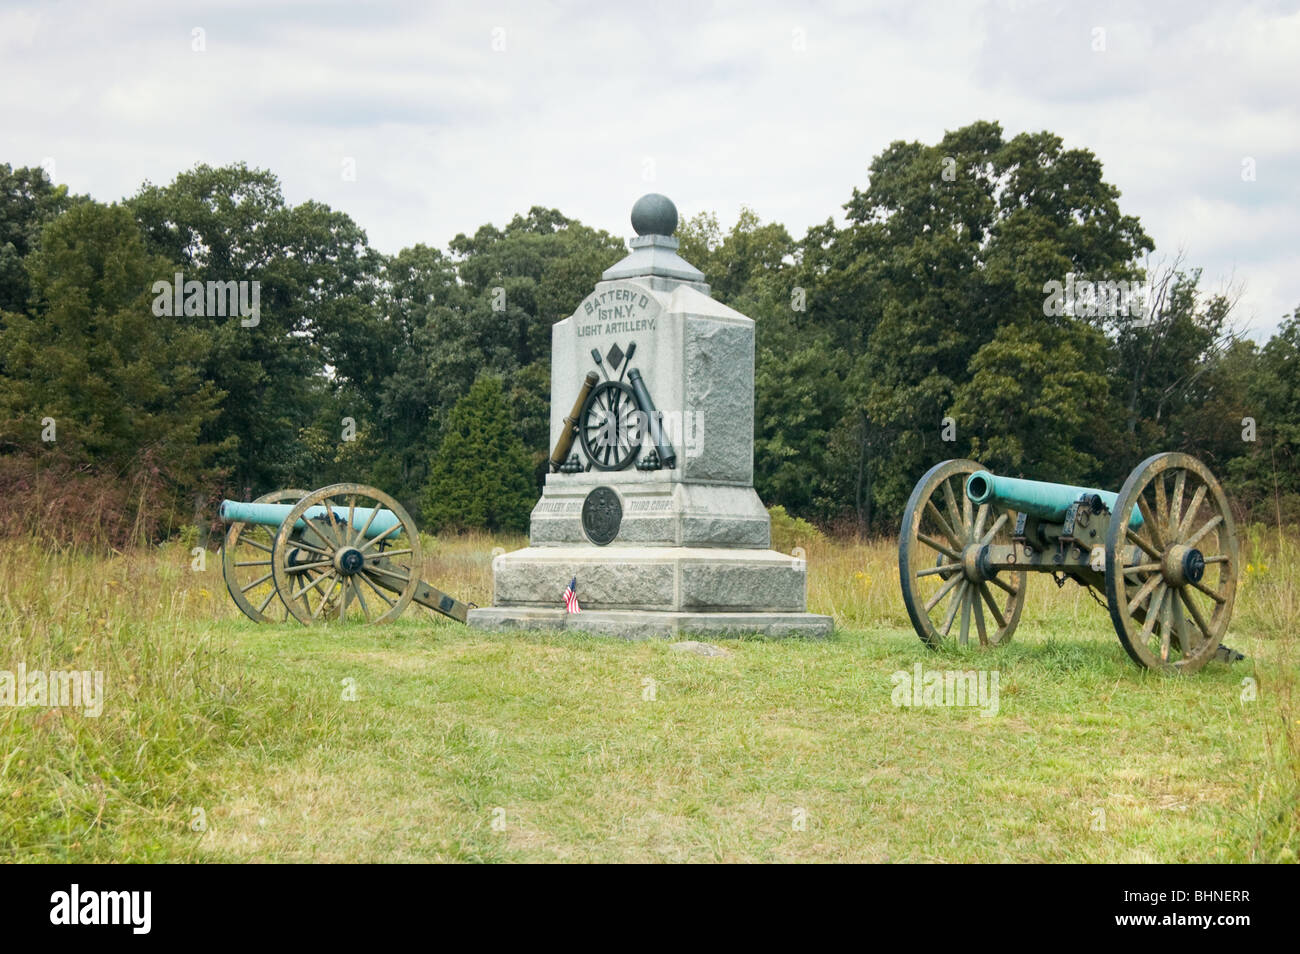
{"x": 941, "y": 536}
{"x": 610, "y": 427}
{"x": 335, "y": 567}
{"x": 1171, "y": 583}
{"x": 246, "y": 565}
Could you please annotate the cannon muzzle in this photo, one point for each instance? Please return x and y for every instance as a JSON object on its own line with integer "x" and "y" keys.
{"x": 1035, "y": 497}
{"x": 273, "y": 514}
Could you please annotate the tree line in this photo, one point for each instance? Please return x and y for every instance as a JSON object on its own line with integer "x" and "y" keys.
{"x": 959, "y": 311}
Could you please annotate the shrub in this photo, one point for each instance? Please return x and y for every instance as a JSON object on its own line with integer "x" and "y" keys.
{"x": 789, "y": 532}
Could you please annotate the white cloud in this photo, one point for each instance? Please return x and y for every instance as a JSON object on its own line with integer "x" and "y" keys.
{"x": 762, "y": 104}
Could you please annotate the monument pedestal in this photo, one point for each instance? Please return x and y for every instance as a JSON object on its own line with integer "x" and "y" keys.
{"x": 657, "y": 510}
{"x": 629, "y": 624}
{"x": 655, "y": 514}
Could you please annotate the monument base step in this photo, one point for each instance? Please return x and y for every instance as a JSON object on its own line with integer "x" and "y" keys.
{"x": 639, "y": 624}
{"x": 696, "y": 580}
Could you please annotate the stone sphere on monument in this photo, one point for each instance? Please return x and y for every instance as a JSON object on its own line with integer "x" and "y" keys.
{"x": 654, "y": 214}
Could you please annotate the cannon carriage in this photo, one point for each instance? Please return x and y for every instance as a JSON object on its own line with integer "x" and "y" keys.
{"x": 343, "y": 552}
{"x": 1161, "y": 554}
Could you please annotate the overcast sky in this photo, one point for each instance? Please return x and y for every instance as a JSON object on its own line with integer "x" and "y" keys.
{"x": 459, "y": 114}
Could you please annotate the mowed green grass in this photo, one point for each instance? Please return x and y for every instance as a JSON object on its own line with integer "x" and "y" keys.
{"x": 224, "y": 740}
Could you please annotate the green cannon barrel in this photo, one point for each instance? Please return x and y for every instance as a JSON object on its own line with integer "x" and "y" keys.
{"x": 1035, "y": 497}
{"x": 272, "y": 515}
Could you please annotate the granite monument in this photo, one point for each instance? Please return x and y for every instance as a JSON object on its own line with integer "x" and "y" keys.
{"x": 650, "y": 505}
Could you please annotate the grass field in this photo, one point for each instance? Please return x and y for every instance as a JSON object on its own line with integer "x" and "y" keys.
{"x": 227, "y": 741}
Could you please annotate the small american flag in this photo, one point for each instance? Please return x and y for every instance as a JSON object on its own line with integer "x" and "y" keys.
{"x": 571, "y": 597}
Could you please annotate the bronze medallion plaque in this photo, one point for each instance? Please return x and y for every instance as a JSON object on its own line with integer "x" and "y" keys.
{"x": 602, "y": 513}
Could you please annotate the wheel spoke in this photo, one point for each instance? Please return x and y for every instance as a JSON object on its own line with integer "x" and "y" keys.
{"x": 1004, "y": 585}
{"x": 1199, "y": 534}
{"x": 304, "y": 567}
{"x": 1209, "y": 592}
{"x": 314, "y": 583}
{"x": 935, "y": 544}
{"x": 942, "y": 592}
{"x": 944, "y": 528}
{"x": 1193, "y": 509}
{"x": 254, "y": 543}
{"x": 1146, "y": 547}
{"x": 1166, "y": 631}
{"x": 361, "y": 534}
{"x": 965, "y": 615}
{"x": 379, "y": 536}
{"x": 1149, "y": 522}
{"x": 328, "y": 538}
{"x": 345, "y": 598}
{"x": 378, "y": 591}
{"x": 979, "y": 619}
{"x": 252, "y": 563}
{"x": 257, "y": 582}
{"x": 967, "y": 519}
{"x": 993, "y": 606}
{"x": 391, "y": 574}
{"x": 993, "y": 530}
{"x": 352, "y": 512}
{"x": 980, "y": 516}
{"x": 1176, "y": 507}
{"x": 1142, "y": 568}
{"x": 1151, "y": 583}
{"x": 311, "y": 575}
{"x": 324, "y": 596}
{"x": 932, "y": 570}
{"x": 1153, "y": 611}
{"x": 310, "y": 548}
{"x": 1162, "y": 505}
{"x": 332, "y": 521}
{"x": 957, "y": 603}
{"x": 1181, "y": 629}
{"x": 1197, "y": 617}
{"x": 953, "y": 509}
{"x": 356, "y": 587}
{"x": 267, "y": 602}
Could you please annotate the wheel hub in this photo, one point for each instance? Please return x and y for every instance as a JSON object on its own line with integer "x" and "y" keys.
{"x": 349, "y": 560}
{"x": 1183, "y": 565}
{"x": 976, "y": 563}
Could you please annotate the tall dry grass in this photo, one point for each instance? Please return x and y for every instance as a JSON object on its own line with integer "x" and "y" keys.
{"x": 166, "y": 636}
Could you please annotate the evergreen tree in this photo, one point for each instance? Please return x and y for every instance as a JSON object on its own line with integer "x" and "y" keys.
{"x": 481, "y": 476}
{"x": 28, "y": 201}
{"x": 120, "y": 383}
{"x": 1267, "y": 473}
